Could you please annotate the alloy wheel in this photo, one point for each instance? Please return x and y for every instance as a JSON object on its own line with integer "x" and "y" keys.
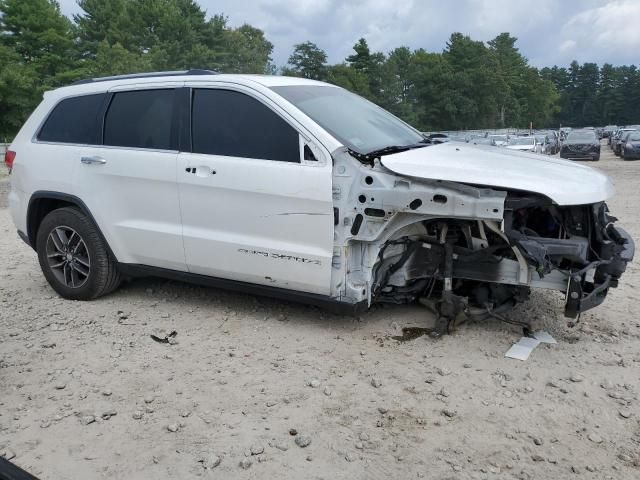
{"x": 68, "y": 257}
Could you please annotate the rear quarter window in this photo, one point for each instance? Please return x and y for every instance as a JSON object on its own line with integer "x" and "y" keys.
{"x": 74, "y": 120}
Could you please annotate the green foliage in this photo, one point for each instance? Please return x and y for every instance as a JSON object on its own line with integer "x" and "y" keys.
{"x": 469, "y": 84}
{"x": 37, "y": 53}
{"x": 308, "y": 61}
{"x": 17, "y": 86}
{"x": 589, "y": 95}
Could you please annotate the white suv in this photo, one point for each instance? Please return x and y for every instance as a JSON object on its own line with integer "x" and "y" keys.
{"x": 298, "y": 189}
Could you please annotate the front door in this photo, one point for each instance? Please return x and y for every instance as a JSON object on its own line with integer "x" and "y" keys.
{"x": 254, "y": 208}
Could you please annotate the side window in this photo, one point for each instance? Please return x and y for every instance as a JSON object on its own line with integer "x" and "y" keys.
{"x": 141, "y": 118}
{"x": 233, "y": 124}
{"x": 74, "y": 120}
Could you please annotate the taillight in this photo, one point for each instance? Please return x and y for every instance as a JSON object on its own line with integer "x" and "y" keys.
{"x": 9, "y": 157}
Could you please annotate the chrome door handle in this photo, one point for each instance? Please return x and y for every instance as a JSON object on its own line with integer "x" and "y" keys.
{"x": 93, "y": 160}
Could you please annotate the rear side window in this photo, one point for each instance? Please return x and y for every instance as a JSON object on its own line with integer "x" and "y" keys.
{"x": 141, "y": 119}
{"x": 74, "y": 120}
{"x": 233, "y": 124}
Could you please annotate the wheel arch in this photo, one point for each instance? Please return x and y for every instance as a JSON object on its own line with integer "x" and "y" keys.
{"x": 44, "y": 202}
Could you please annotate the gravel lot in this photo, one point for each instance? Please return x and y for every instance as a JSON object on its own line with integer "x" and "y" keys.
{"x": 86, "y": 393}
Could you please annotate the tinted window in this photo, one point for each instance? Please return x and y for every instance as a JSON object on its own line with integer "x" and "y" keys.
{"x": 236, "y": 125}
{"x": 140, "y": 119}
{"x": 73, "y": 120}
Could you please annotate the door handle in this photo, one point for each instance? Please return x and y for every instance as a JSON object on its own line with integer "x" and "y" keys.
{"x": 201, "y": 171}
{"x": 93, "y": 160}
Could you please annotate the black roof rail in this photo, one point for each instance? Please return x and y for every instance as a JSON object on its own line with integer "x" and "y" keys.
{"x": 195, "y": 71}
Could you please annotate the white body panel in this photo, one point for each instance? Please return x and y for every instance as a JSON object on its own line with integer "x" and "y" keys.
{"x": 258, "y": 221}
{"x": 564, "y": 182}
{"x": 134, "y": 199}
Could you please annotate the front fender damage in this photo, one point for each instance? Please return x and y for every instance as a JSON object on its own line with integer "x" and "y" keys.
{"x": 459, "y": 248}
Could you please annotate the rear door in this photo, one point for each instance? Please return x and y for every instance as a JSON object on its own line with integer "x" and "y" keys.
{"x": 255, "y": 194}
{"x": 129, "y": 182}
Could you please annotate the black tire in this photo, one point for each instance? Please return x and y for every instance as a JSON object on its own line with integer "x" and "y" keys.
{"x": 96, "y": 271}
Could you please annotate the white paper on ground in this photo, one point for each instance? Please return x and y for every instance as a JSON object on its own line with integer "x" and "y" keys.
{"x": 544, "y": 337}
{"x": 528, "y": 342}
{"x": 522, "y": 349}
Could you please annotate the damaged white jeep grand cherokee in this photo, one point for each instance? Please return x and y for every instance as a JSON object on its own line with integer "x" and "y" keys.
{"x": 298, "y": 189}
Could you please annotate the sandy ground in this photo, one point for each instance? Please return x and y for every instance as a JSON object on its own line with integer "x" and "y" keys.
{"x": 86, "y": 393}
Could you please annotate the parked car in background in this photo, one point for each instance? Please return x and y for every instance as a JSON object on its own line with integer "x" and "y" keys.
{"x": 617, "y": 143}
{"x": 438, "y": 138}
{"x": 461, "y": 138}
{"x": 483, "y": 141}
{"x": 614, "y": 136}
{"x": 523, "y": 144}
{"x": 631, "y": 148}
{"x": 624, "y": 138}
{"x": 581, "y": 145}
{"x": 499, "y": 140}
{"x": 554, "y": 138}
{"x": 608, "y": 130}
{"x": 543, "y": 145}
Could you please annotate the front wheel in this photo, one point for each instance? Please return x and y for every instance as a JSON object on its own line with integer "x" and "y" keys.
{"x": 73, "y": 256}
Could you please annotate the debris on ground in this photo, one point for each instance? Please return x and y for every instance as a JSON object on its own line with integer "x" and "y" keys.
{"x": 526, "y": 345}
{"x": 168, "y": 338}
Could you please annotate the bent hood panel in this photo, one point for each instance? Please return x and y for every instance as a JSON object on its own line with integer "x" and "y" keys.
{"x": 564, "y": 182}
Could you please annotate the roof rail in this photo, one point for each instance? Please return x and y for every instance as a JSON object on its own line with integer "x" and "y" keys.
{"x": 195, "y": 71}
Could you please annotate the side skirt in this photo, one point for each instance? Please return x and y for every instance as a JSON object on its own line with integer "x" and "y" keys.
{"x": 325, "y": 302}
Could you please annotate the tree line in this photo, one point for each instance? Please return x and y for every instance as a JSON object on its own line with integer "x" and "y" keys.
{"x": 469, "y": 85}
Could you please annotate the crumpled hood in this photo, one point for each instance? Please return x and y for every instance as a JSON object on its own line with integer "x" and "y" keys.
{"x": 564, "y": 182}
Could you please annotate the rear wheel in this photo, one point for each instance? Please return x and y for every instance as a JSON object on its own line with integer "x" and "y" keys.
{"x": 73, "y": 256}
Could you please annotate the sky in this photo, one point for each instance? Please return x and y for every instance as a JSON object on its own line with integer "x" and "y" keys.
{"x": 549, "y": 32}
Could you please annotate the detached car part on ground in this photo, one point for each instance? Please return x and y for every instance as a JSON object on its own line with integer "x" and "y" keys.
{"x": 358, "y": 209}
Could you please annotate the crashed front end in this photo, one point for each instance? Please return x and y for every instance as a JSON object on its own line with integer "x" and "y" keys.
{"x": 580, "y": 243}
{"x": 466, "y": 249}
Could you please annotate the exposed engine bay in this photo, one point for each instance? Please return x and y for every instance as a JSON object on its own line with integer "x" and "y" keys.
{"x": 466, "y": 250}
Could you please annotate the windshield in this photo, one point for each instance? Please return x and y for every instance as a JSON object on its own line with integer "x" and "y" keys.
{"x": 634, "y": 137}
{"x": 581, "y": 137}
{"x": 355, "y": 122}
{"x": 522, "y": 141}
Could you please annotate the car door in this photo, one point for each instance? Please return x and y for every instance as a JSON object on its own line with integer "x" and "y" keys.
{"x": 129, "y": 181}
{"x": 255, "y": 194}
